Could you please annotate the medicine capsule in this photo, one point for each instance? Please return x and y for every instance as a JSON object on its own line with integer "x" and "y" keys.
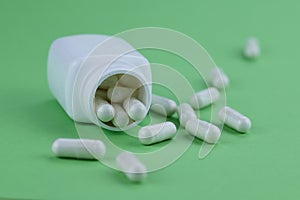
{"x": 252, "y": 49}
{"x": 131, "y": 166}
{"x": 234, "y": 119}
{"x": 105, "y": 111}
{"x": 163, "y": 106}
{"x": 118, "y": 94}
{"x": 204, "y": 98}
{"x": 129, "y": 81}
{"x": 218, "y": 78}
{"x": 109, "y": 82}
{"x": 157, "y": 132}
{"x": 121, "y": 118}
{"x": 185, "y": 112}
{"x": 78, "y": 148}
{"x": 135, "y": 108}
{"x": 203, "y": 130}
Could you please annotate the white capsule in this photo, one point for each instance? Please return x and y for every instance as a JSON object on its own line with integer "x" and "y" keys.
{"x": 118, "y": 94}
{"x": 131, "y": 166}
{"x": 218, "y": 78}
{"x": 141, "y": 94}
{"x": 252, "y": 49}
{"x": 105, "y": 111}
{"x": 203, "y": 130}
{"x": 129, "y": 81}
{"x": 234, "y": 119}
{"x": 185, "y": 112}
{"x": 204, "y": 98}
{"x": 109, "y": 82}
{"x": 163, "y": 106}
{"x": 157, "y": 132}
{"x": 135, "y": 108}
{"x": 78, "y": 148}
{"x": 121, "y": 118}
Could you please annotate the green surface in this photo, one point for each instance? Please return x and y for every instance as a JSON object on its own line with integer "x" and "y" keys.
{"x": 263, "y": 164}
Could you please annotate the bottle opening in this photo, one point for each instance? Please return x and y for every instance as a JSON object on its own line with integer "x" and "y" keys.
{"x": 121, "y": 101}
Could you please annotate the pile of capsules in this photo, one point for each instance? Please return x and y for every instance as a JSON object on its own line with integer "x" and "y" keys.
{"x": 122, "y": 105}
{"x": 119, "y": 101}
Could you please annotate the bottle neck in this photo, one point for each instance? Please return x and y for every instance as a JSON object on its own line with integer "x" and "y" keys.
{"x": 94, "y": 70}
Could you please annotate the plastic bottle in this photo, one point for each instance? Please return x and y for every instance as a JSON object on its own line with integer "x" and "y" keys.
{"x": 78, "y": 65}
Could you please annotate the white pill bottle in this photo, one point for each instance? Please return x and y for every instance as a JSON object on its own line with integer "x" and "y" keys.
{"x": 78, "y": 65}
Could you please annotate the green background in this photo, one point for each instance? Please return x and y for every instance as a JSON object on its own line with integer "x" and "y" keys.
{"x": 262, "y": 164}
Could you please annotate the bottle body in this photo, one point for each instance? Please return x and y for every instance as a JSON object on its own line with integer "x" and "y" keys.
{"x": 78, "y": 65}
